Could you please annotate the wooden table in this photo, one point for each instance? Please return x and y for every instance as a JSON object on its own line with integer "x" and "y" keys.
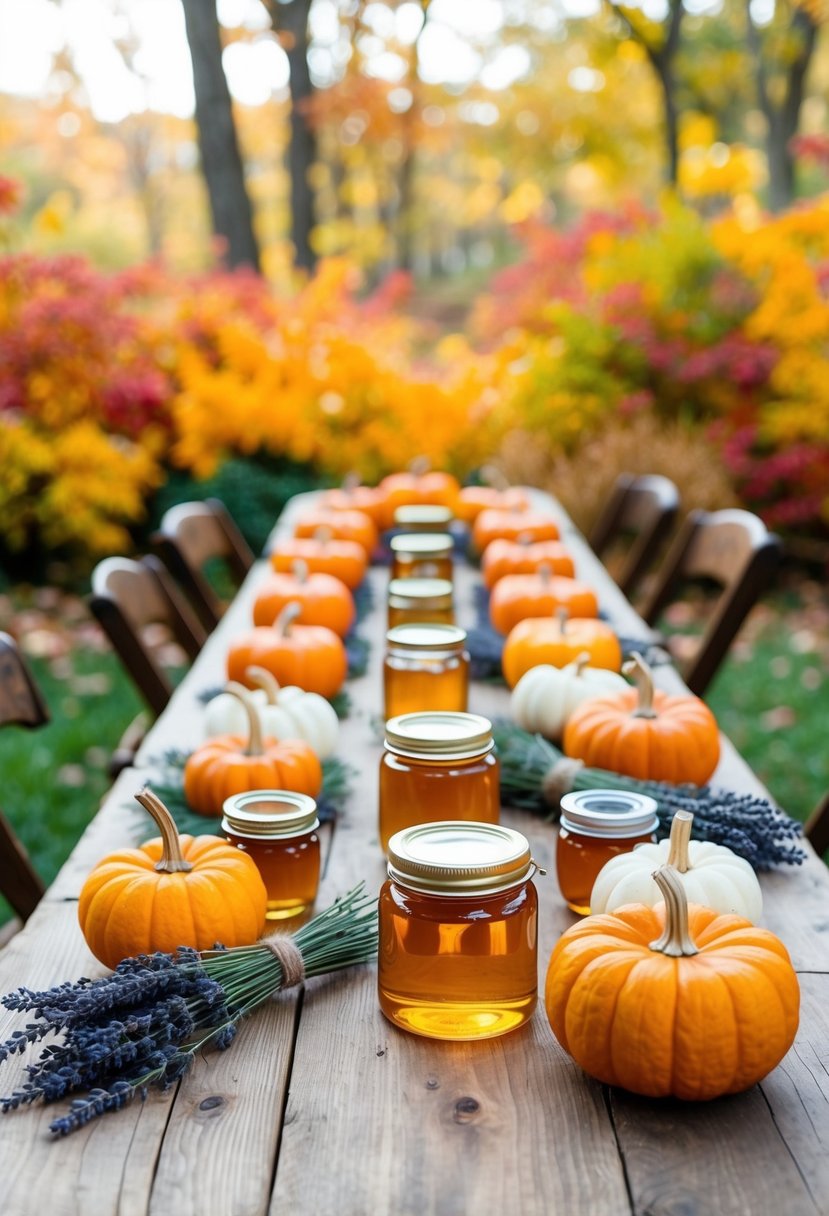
{"x": 322, "y": 1107}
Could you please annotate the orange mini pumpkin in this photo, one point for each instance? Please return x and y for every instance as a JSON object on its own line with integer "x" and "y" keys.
{"x": 173, "y": 891}
{"x": 558, "y": 641}
{"x": 345, "y": 559}
{"x": 229, "y": 765}
{"x": 518, "y": 596}
{"x": 474, "y": 499}
{"x": 509, "y": 525}
{"x": 646, "y": 733}
{"x": 323, "y": 599}
{"x": 674, "y": 1001}
{"x": 352, "y": 496}
{"x": 524, "y": 556}
{"x": 309, "y": 656}
{"x": 417, "y": 486}
{"x": 341, "y": 525}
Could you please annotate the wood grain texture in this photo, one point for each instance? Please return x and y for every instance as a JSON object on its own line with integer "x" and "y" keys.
{"x": 378, "y": 1121}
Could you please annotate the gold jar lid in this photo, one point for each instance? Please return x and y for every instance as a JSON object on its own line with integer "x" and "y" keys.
{"x": 440, "y": 734}
{"x": 421, "y": 592}
{"x": 422, "y": 544}
{"x": 269, "y": 814}
{"x": 611, "y": 813}
{"x": 423, "y": 517}
{"x": 427, "y": 635}
{"x": 458, "y": 857}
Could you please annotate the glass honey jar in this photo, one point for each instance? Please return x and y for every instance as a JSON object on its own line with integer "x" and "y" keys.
{"x": 596, "y": 825}
{"x": 414, "y": 600}
{"x": 423, "y": 517}
{"x": 422, "y": 555}
{"x": 437, "y": 766}
{"x": 278, "y": 829}
{"x": 426, "y": 666}
{"x": 458, "y": 931}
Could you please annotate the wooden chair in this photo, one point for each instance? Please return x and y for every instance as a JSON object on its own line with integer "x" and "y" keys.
{"x": 645, "y": 506}
{"x": 816, "y": 828}
{"x": 127, "y": 596}
{"x": 190, "y": 535}
{"x": 20, "y": 702}
{"x": 731, "y": 548}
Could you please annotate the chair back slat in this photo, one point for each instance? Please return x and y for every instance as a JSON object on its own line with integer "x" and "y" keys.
{"x": 190, "y": 535}
{"x": 816, "y": 828}
{"x": 646, "y": 506}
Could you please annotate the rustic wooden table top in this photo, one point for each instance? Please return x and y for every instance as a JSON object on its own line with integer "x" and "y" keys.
{"x": 322, "y": 1107}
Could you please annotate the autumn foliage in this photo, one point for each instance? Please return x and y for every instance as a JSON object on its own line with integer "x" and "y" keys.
{"x": 111, "y": 381}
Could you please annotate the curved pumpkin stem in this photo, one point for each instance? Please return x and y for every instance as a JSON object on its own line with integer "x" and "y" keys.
{"x": 680, "y": 839}
{"x": 580, "y": 662}
{"x": 286, "y": 618}
{"x": 254, "y": 747}
{"x": 524, "y": 538}
{"x": 265, "y": 680}
{"x": 562, "y": 616}
{"x": 545, "y": 573}
{"x": 323, "y": 534}
{"x": 419, "y": 465}
{"x": 642, "y": 676}
{"x": 299, "y": 569}
{"x": 676, "y": 940}
{"x": 172, "y": 860}
{"x": 350, "y": 482}
{"x": 494, "y": 477}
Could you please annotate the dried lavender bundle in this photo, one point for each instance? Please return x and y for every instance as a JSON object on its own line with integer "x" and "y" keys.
{"x": 534, "y": 775}
{"x": 143, "y": 1025}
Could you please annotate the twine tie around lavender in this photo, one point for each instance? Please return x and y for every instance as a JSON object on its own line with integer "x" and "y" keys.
{"x": 559, "y": 779}
{"x": 289, "y": 958}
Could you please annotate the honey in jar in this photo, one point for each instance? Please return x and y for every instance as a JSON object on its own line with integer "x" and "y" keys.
{"x": 426, "y": 666}
{"x": 422, "y": 517}
{"x": 422, "y": 555}
{"x": 437, "y": 766}
{"x": 457, "y": 953}
{"x": 414, "y": 600}
{"x": 595, "y": 826}
{"x": 278, "y": 829}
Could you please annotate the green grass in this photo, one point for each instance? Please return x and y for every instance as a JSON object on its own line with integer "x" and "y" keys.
{"x": 53, "y": 777}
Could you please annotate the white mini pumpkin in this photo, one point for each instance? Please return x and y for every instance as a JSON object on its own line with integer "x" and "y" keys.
{"x": 710, "y": 873}
{"x": 285, "y": 713}
{"x": 545, "y": 697}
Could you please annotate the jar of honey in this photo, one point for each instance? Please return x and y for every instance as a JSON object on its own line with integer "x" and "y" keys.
{"x": 438, "y": 766}
{"x": 596, "y": 825}
{"x": 457, "y": 954}
{"x": 278, "y": 829}
{"x": 426, "y": 667}
{"x": 413, "y": 600}
{"x": 421, "y": 555}
{"x": 423, "y": 517}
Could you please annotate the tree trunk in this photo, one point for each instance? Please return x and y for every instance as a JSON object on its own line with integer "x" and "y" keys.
{"x": 671, "y": 117}
{"x": 783, "y": 118}
{"x": 291, "y": 19}
{"x": 221, "y": 160}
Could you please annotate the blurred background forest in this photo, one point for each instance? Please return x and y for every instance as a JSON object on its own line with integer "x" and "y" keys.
{"x": 253, "y": 245}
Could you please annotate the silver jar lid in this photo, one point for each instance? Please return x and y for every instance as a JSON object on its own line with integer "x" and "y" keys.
{"x": 459, "y": 857}
{"x": 609, "y": 813}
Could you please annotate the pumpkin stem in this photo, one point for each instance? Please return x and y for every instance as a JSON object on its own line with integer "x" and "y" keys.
{"x": 172, "y": 859}
{"x": 265, "y": 680}
{"x": 524, "y": 538}
{"x": 676, "y": 940}
{"x": 580, "y": 662}
{"x": 350, "y": 482}
{"x": 254, "y": 746}
{"x": 680, "y": 838}
{"x": 419, "y": 466}
{"x": 562, "y": 616}
{"x": 323, "y": 534}
{"x": 299, "y": 569}
{"x": 545, "y": 573}
{"x": 286, "y": 618}
{"x": 641, "y": 674}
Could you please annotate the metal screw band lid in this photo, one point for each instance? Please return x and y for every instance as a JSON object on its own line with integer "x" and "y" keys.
{"x": 439, "y": 734}
{"x": 269, "y": 814}
{"x": 422, "y": 544}
{"x": 614, "y": 813}
{"x": 426, "y": 636}
{"x": 424, "y": 592}
{"x": 458, "y": 857}
{"x": 423, "y": 517}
